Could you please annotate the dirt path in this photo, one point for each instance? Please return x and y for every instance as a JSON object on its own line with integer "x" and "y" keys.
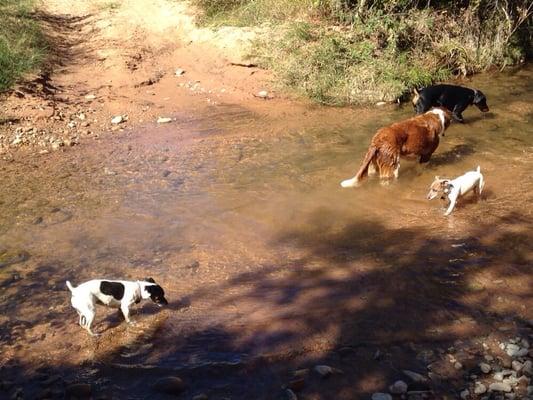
{"x": 113, "y": 58}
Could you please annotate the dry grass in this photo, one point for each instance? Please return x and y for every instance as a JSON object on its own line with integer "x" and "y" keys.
{"x": 351, "y": 52}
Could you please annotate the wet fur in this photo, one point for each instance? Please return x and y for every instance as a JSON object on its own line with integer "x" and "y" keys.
{"x": 112, "y": 293}
{"x": 415, "y": 137}
{"x": 452, "y": 97}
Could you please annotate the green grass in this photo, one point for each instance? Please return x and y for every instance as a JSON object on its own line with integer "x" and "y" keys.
{"x": 22, "y": 46}
{"x": 352, "y": 52}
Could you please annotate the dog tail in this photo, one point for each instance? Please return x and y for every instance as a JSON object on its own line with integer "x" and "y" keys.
{"x": 70, "y": 287}
{"x": 363, "y": 170}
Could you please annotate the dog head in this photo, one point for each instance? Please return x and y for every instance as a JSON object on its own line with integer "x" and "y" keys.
{"x": 416, "y": 97}
{"x": 151, "y": 290}
{"x": 438, "y": 186}
{"x": 480, "y": 101}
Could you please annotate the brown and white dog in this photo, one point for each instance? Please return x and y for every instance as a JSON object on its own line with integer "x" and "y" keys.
{"x": 415, "y": 137}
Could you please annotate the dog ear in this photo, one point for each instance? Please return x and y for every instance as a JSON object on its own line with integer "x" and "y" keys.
{"x": 151, "y": 280}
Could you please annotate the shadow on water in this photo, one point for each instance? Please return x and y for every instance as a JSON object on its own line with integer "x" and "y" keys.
{"x": 365, "y": 299}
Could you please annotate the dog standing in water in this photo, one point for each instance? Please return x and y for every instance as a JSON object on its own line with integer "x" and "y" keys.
{"x": 458, "y": 187}
{"x": 415, "y": 137}
{"x": 454, "y": 98}
{"x": 111, "y": 293}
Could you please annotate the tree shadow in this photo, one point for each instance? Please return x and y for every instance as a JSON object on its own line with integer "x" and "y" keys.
{"x": 455, "y": 154}
{"x": 364, "y": 298}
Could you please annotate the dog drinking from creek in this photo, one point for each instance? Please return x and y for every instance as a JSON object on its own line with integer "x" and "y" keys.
{"x": 117, "y": 294}
{"x": 458, "y": 187}
{"x": 415, "y": 137}
{"x": 454, "y": 98}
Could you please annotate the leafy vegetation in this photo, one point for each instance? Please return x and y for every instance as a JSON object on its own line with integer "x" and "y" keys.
{"x": 22, "y": 45}
{"x": 360, "y": 51}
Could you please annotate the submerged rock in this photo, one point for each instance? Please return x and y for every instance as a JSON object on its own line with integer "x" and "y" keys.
{"x": 170, "y": 385}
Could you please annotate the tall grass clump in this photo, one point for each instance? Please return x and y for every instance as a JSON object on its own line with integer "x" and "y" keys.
{"x": 360, "y": 51}
{"x": 21, "y": 42}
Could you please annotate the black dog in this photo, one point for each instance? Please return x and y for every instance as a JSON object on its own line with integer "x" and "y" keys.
{"x": 454, "y": 98}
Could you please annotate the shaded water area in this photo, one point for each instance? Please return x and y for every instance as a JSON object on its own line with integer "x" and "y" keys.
{"x": 268, "y": 264}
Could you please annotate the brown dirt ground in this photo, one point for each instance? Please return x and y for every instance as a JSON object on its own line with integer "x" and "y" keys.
{"x": 120, "y": 58}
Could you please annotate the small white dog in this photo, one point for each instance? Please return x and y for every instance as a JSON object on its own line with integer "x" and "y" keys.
{"x": 117, "y": 294}
{"x": 453, "y": 189}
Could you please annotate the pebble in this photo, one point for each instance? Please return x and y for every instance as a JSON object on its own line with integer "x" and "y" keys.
{"x": 79, "y": 390}
{"x": 500, "y": 387}
{"x": 512, "y": 349}
{"x": 323, "y": 370}
{"x": 485, "y": 368}
{"x": 169, "y": 385}
{"x": 90, "y": 97}
{"x": 480, "y": 388}
{"x": 263, "y": 94}
{"x": 522, "y": 352}
{"x": 527, "y": 368}
{"x": 164, "y": 120}
{"x": 179, "y": 72}
{"x": 117, "y": 120}
{"x": 464, "y": 394}
{"x": 415, "y": 376}
{"x": 498, "y": 376}
{"x": 290, "y": 395}
{"x": 458, "y": 365}
{"x": 381, "y": 396}
{"x": 380, "y": 103}
{"x": 398, "y": 387}
{"x": 517, "y": 365}
{"x": 488, "y": 357}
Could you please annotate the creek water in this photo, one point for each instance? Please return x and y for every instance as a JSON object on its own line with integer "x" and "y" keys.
{"x": 268, "y": 264}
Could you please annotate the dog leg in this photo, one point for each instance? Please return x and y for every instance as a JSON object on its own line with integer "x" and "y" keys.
{"x": 451, "y": 206}
{"x": 372, "y": 169}
{"x": 126, "y": 312}
{"x": 397, "y": 171}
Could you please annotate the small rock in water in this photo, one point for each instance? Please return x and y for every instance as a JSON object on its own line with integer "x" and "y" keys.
{"x": 398, "y": 387}
{"x": 164, "y": 120}
{"x": 117, "y": 120}
{"x": 381, "y": 396}
{"x": 500, "y": 387}
{"x": 78, "y": 390}
{"x": 169, "y": 385}
{"x": 179, "y": 72}
{"x": 323, "y": 370}
{"x": 263, "y": 94}
{"x": 415, "y": 376}
{"x": 480, "y": 388}
{"x": 485, "y": 368}
{"x": 290, "y": 395}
